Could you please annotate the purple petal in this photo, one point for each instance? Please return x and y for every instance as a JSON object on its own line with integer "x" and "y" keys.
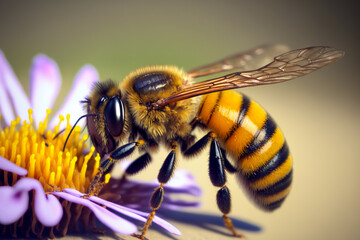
{"x": 45, "y": 81}
{"x": 181, "y": 178}
{"x": 128, "y": 211}
{"x": 110, "y": 219}
{"x": 121, "y": 209}
{"x": 182, "y": 182}
{"x": 13, "y": 204}
{"x": 83, "y": 82}
{"x": 111, "y": 205}
{"x": 11, "y": 167}
{"x": 13, "y": 87}
{"x": 48, "y": 209}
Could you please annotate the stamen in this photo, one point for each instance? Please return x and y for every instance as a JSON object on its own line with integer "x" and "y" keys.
{"x": 23, "y": 152}
{"x": 67, "y": 161}
{"x": 31, "y": 172}
{"x": 58, "y": 176}
{"x": 13, "y": 151}
{"x": 71, "y": 171}
{"x": 31, "y": 120}
{"x": 97, "y": 165}
{"x": 43, "y": 125}
{"x": 56, "y": 130}
{"x": 2, "y": 151}
{"x": 107, "y": 178}
{"x": 47, "y": 169}
{"x": 84, "y": 166}
{"x": 52, "y": 179}
{"x": 40, "y": 151}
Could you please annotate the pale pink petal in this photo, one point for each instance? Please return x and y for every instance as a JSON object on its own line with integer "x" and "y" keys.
{"x": 108, "y": 218}
{"x": 183, "y": 182}
{"x": 45, "y": 82}
{"x": 120, "y": 209}
{"x": 48, "y": 209}
{"x": 13, "y": 87}
{"x": 181, "y": 178}
{"x": 128, "y": 211}
{"x": 13, "y": 204}
{"x": 6, "y": 110}
{"x": 11, "y": 167}
{"x": 83, "y": 83}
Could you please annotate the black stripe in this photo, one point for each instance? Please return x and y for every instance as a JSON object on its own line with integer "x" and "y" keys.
{"x": 214, "y": 108}
{"x": 274, "y": 205}
{"x": 241, "y": 115}
{"x": 261, "y": 137}
{"x": 277, "y": 187}
{"x": 271, "y": 165}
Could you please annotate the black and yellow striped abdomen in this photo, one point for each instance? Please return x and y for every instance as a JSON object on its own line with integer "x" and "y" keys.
{"x": 253, "y": 139}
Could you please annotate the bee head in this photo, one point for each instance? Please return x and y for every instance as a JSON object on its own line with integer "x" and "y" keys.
{"x": 106, "y": 118}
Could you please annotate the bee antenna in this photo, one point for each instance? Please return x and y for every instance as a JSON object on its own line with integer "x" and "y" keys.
{"x": 60, "y": 132}
{"x": 86, "y": 115}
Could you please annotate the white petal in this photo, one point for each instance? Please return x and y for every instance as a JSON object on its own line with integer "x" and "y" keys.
{"x": 45, "y": 82}
{"x": 83, "y": 82}
{"x": 14, "y": 89}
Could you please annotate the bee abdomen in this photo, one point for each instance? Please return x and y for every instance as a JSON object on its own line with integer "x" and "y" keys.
{"x": 255, "y": 142}
{"x": 270, "y": 184}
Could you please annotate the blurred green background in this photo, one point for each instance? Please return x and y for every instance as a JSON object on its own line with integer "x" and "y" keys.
{"x": 318, "y": 113}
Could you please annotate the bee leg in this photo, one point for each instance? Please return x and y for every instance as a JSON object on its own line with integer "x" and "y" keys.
{"x": 139, "y": 164}
{"x": 165, "y": 173}
{"x": 106, "y": 166}
{"x": 218, "y": 178}
{"x": 98, "y": 181}
{"x": 199, "y": 145}
{"x": 228, "y": 166}
{"x": 224, "y": 204}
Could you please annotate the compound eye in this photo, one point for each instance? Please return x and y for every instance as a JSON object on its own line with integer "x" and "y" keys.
{"x": 115, "y": 116}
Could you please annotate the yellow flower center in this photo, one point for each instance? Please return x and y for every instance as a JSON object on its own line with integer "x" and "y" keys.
{"x": 41, "y": 153}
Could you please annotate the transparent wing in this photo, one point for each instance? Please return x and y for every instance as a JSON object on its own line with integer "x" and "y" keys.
{"x": 251, "y": 59}
{"x": 285, "y": 67}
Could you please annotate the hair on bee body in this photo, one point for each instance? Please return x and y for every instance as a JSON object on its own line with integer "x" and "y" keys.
{"x": 155, "y": 105}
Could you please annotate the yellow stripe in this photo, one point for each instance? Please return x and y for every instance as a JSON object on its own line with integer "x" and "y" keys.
{"x": 208, "y": 105}
{"x": 264, "y": 154}
{"x": 225, "y": 115}
{"x": 244, "y": 134}
{"x": 271, "y": 199}
{"x": 274, "y": 176}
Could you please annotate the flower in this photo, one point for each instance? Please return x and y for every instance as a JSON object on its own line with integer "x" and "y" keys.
{"x": 45, "y": 82}
{"x": 34, "y": 169}
{"x": 14, "y": 203}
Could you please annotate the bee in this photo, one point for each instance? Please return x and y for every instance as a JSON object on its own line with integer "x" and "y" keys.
{"x": 158, "y": 105}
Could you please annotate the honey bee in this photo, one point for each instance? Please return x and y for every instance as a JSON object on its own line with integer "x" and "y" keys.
{"x": 157, "y": 105}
